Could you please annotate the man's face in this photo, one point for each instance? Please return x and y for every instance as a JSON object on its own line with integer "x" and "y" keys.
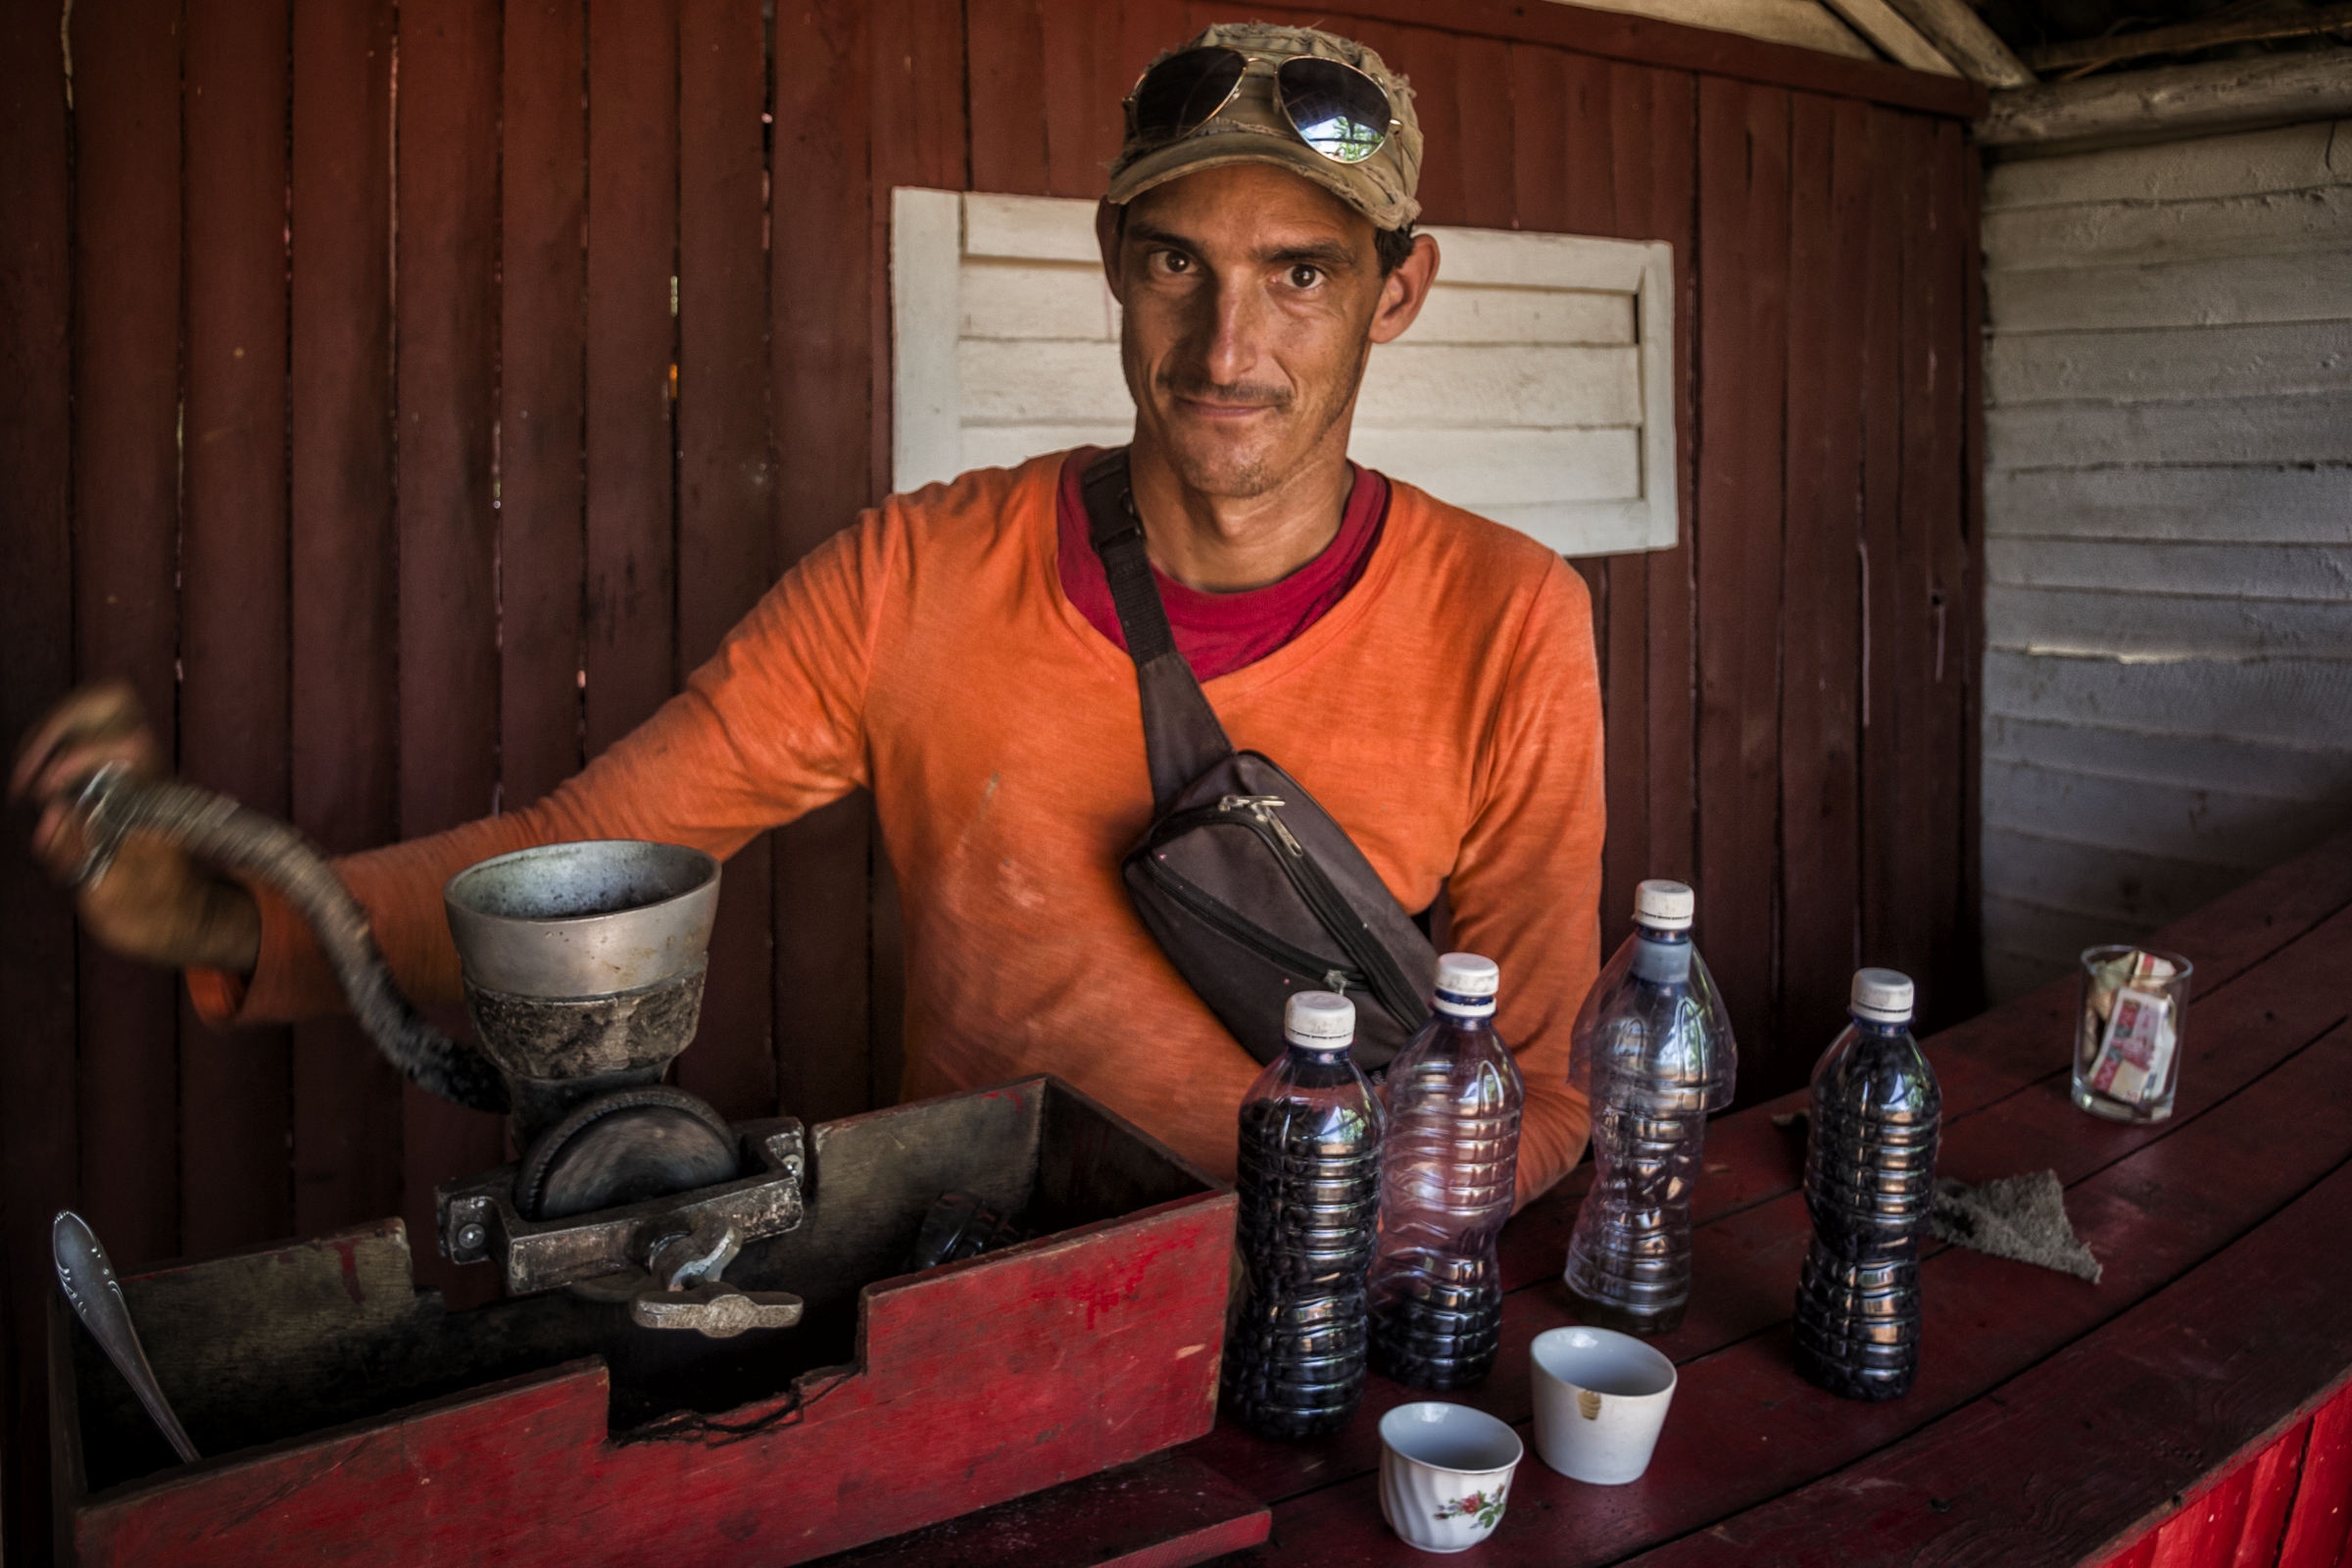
{"x": 1252, "y": 298}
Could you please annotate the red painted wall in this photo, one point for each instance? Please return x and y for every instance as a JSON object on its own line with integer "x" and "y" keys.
{"x": 2286, "y": 1505}
{"x": 344, "y": 407}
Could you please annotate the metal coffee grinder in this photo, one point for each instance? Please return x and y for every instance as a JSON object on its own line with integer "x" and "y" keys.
{"x": 583, "y": 973}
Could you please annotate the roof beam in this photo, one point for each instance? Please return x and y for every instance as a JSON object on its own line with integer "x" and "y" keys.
{"x": 2292, "y": 18}
{"x": 1962, "y": 38}
{"x": 2316, "y": 84}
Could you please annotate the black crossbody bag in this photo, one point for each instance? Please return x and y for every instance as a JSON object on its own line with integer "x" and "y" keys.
{"x": 1250, "y": 888}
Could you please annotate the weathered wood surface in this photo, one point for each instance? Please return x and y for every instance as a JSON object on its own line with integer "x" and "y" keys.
{"x": 2166, "y": 599}
{"x": 1163, "y": 1512}
{"x": 351, "y": 1419}
{"x": 2221, "y": 95}
{"x": 436, "y": 482}
{"x": 2217, "y": 1329}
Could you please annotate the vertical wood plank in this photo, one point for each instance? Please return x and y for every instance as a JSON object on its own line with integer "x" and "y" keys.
{"x": 542, "y": 497}
{"x": 630, "y": 621}
{"x": 1670, "y": 199}
{"x": 126, "y": 331}
{"x": 1883, "y": 308}
{"x": 1539, "y": 137}
{"x": 1083, "y": 90}
{"x": 1951, "y": 961}
{"x": 2275, "y": 1474}
{"x": 1007, "y": 59}
{"x": 1148, "y": 29}
{"x": 725, "y": 542}
{"x": 1482, "y": 70}
{"x": 446, "y": 308}
{"x": 1968, "y": 616}
{"x": 1596, "y": 152}
{"x": 38, "y": 1152}
{"x": 1915, "y": 918}
{"x": 2204, "y": 1532}
{"x": 1743, "y": 261}
{"x": 342, "y": 561}
{"x": 235, "y": 1092}
{"x": 1431, "y": 59}
{"x": 1819, "y": 892}
{"x": 920, "y": 135}
{"x": 822, "y": 386}
{"x": 2322, "y": 1517}
{"x": 1591, "y": 161}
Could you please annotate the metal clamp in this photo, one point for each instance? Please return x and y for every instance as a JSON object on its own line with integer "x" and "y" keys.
{"x": 479, "y": 1222}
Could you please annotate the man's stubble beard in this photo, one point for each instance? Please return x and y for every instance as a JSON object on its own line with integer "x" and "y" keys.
{"x": 1253, "y": 477}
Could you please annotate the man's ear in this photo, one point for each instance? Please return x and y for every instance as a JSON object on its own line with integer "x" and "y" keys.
{"x": 1107, "y": 229}
{"x": 1404, "y": 291}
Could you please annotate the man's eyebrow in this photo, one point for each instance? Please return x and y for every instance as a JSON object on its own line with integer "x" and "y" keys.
{"x": 1327, "y": 254}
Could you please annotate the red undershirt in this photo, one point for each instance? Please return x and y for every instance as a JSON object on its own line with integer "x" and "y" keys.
{"x": 1220, "y": 633}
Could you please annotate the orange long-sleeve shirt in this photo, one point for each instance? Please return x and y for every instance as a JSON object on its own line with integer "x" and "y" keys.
{"x": 1446, "y": 712}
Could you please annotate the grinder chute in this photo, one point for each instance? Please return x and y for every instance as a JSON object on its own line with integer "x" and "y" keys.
{"x": 583, "y": 971}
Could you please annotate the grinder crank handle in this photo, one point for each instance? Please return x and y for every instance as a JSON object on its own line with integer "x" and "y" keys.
{"x": 715, "y": 1309}
{"x": 688, "y": 1293}
{"x": 215, "y": 828}
{"x": 87, "y": 1277}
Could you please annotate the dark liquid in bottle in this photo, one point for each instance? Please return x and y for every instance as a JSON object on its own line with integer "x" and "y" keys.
{"x": 1309, "y": 1189}
{"x": 1870, "y": 1177}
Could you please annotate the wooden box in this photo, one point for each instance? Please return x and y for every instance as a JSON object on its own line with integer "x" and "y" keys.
{"x": 348, "y": 1418}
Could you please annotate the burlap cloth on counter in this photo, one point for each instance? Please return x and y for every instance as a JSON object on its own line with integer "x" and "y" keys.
{"x": 2021, "y": 1217}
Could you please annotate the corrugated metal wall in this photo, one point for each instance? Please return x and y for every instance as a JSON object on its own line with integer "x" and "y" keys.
{"x": 2168, "y": 685}
{"x": 404, "y": 397}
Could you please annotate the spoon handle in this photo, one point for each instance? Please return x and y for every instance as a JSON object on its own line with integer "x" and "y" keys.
{"x": 89, "y": 1284}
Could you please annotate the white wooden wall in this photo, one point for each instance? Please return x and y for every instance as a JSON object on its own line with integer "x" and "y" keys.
{"x": 1537, "y": 388}
{"x": 2168, "y": 681}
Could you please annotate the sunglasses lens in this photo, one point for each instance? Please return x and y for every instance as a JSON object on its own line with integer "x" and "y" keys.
{"x": 1180, "y": 92}
{"x": 1340, "y": 113}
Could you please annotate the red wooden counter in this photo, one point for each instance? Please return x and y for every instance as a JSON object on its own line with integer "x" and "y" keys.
{"x": 2186, "y": 1409}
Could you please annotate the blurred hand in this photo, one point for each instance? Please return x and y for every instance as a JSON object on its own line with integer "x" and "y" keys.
{"x": 152, "y": 902}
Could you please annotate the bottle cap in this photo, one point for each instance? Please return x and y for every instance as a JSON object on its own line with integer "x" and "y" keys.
{"x": 1882, "y": 996}
{"x": 1319, "y": 1021}
{"x": 1466, "y": 985}
{"x": 1664, "y": 906}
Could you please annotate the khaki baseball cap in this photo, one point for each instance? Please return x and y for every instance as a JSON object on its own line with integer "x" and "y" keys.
{"x": 1252, "y": 129}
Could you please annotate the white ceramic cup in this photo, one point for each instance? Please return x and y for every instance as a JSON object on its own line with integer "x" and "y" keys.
{"x": 1600, "y": 1401}
{"x": 1444, "y": 1472}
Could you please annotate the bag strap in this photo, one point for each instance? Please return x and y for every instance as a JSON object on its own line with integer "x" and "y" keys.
{"x": 1182, "y": 737}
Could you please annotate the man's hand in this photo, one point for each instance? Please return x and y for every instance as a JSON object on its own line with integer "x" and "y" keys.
{"x": 152, "y": 902}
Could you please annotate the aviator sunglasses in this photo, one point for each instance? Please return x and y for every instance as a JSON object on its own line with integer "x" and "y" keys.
{"x": 1335, "y": 108}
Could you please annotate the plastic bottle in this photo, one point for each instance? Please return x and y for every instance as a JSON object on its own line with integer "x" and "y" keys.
{"x": 1869, "y": 1176}
{"x": 1654, "y": 1054}
{"x": 1449, "y": 1168}
{"x": 1309, "y": 1189}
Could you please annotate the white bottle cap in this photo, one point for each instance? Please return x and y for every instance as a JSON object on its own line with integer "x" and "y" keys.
{"x": 1882, "y": 996}
{"x": 1664, "y": 906}
{"x": 1320, "y": 1020}
{"x": 1466, "y": 985}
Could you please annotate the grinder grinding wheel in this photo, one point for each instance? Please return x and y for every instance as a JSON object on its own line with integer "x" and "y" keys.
{"x": 624, "y": 1146}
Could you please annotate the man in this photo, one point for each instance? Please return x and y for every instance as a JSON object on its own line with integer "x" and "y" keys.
{"x": 1427, "y": 676}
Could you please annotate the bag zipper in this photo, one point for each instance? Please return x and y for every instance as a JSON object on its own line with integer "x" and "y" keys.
{"x": 1258, "y": 813}
{"x": 1249, "y": 934}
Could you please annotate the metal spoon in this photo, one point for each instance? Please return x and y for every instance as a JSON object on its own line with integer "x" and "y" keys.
{"x": 88, "y": 1279}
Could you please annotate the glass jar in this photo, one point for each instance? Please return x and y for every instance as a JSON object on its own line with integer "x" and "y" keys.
{"x": 2131, "y": 1028}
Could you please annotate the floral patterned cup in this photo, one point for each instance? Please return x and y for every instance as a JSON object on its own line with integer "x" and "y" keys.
{"x": 1445, "y": 1474}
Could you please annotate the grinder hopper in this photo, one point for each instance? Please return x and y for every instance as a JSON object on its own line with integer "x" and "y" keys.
{"x": 583, "y": 968}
